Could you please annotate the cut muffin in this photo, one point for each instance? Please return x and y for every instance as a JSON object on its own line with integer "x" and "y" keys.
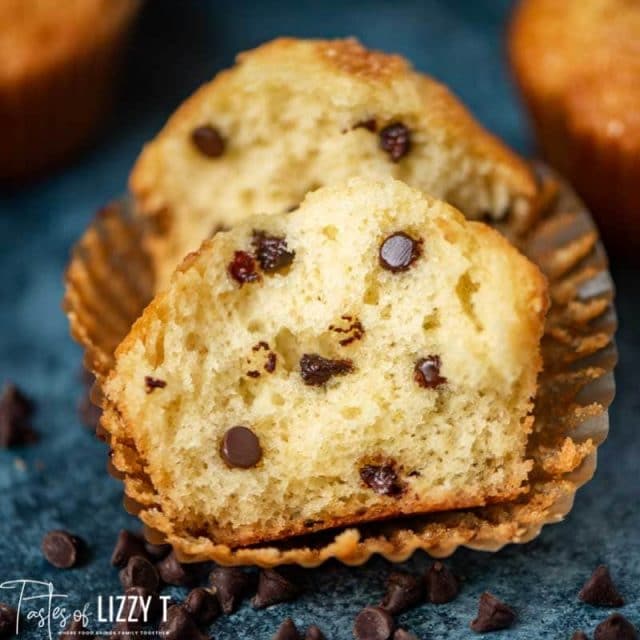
{"x": 293, "y": 115}
{"x": 372, "y": 354}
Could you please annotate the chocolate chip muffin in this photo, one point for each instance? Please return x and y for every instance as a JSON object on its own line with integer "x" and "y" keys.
{"x": 577, "y": 63}
{"x": 58, "y": 61}
{"x": 293, "y": 115}
{"x": 371, "y": 354}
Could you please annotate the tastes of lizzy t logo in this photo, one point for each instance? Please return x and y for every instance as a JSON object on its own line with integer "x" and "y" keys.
{"x": 39, "y": 604}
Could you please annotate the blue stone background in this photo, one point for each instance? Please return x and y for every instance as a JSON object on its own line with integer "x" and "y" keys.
{"x": 179, "y": 44}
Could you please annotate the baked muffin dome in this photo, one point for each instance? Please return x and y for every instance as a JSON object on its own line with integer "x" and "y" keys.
{"x": 369, "y": 355}
{"x": 577, "y": 63}
{"x": 294, "y": 115}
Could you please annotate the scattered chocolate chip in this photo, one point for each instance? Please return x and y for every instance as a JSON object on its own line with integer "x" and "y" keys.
{"x": 271, "y": 251}
{"x": 615, "y": 627}
{"x": 230, "y": 584}
{"x": 173, "y": 572}
{"x": 355, "y": 330}
{"x": 369, "y": 124}
{"x": 287, "y": 631}
{"x": 243, "y": 268}
{"x": 427, "y": 372}
{"x": 398, "y": 252}
{"x": 179, "y": 625}
{"x": 316, "y": 370}
{"x": 401, "y": 634}
{"x": 203, "y": 606}
{"x": 395, "y": 139}
{"x": 208, "y": 141}
{"x": 314, "y": 633}
{"x": 403, "y": 592}
{"x": 270, "y": 364}
{"x": 382, "y": 478}
{"x": 135, "y": 597}
{"x": 15, "y": 418}
{"x": 61, "y": 549}
{"x": 241, "y": 448}
{"x": 493, "y": 615}
{"x": 579, "y": 635}
{"x": 74, "y": 630}
{"x": 600, "y": 591}
{"x": 373, "y": 623}
{"x": 273, "y": 588}
{"x": 8, "y": 621}
{"x": 139, "y": 572}
{"x": 157, "y": 551}
{"x": 128, "y": 544}
{"x": 151, "y": 384}
{"x": 442, "y": 585}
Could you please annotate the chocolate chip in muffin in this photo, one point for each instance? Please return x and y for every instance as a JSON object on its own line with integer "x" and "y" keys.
{"x": 600, "y": 590}
{"x": 395, "y": 139}
{"x": 230, "y": 584}
{"x": 373, "y": 623}
{"x": 151, "y": 384}
{"x": 208, "y": 141}
{"x": 175, "y": 573}
{"x": 128, "y": 544}
{"x": 442, "y": 586}
{"x": 287, "y": 631}
{"x": 615, "y": 627}
{"x": 369, "y": 124}
{"x": 241, "y": 447}
{"x": 493, "y": 615}
{"x": 179, "y": 625}
{"x": 316, "y": 370}
{"x": 314, "y": 633}
{"x": 273, "y": 588}
{"x": 271, "y": 251}
{"x": 243, "y": 268}
{"x": 139, "y": 572}
{"x": 203, "y": 606}
{"x": 270, "y": 364}
{"x": 353, "y": 330}
{"x": 62, "y": 549}
{"x": 8, "y": 620}
{"x": 253, "y": 373}
{"x": 427, "y": 372}
{"x": 16, "y": 410}
{"x": 382, "y": 478}
{"x": 399, "y": 251}
{"x": 403, "y": 592}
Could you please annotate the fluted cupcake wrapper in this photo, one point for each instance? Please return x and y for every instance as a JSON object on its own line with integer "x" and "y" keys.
{"x": 110, "y": 280}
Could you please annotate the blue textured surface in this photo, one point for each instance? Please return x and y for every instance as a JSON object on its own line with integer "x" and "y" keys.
{"x": 179, "y": 45}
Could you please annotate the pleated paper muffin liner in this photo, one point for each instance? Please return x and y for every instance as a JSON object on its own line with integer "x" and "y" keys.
{"x": 110, "y": 280}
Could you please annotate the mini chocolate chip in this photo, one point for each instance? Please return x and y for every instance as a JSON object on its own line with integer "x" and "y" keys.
{"x": 383, "y": 479}
{"x": 128, "y": 544}
{"x": 179, "y": 625}
{"x": 615, "y": 627}
{"x": 395, "y": 139}
{"x": 355, "y": 330}
{"x": 262, "y": 345}
{"x": 369, "y": 124}
{"x": 314, "y": 633}
{"x": 398, "y": 252}
{"x": 139, "y": 572}
{"x": 151, "y": 384}
{"x": 74, "y": 630}
{"x": 15, "y": 418}
{"x": 8, "y": 621}
{"x": 271, "y": 251}
{"x": 61, "y": 549}
{"x": 373, "y": 623}
{"x": 270, "y": 364}
{"x": 243, "y": 268}
{"x": 241, "y": 448}
{"x": 403, "y": 592}
{"x": 427, "y": 372}
{"x": 401, "y": 634}
{"x": 316, "y": 370}
{"x": 579, "y": 635}
{"x": 600, "y": 591}
{"x": 230, "y": 584}
{"x": 493, "y": 615}
{"x": 157, "y": 551}
{"x": 273, "y": 588}
{"x": 287, "y": 631}
{"x": 208, "y": 141}
{"x": 173, "y": 572}
{"x": 253, "y": 374}
{"x": 442, "y": 585}
{"x": 203, "y": 605}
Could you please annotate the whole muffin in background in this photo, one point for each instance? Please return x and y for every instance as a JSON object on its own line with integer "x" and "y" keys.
{"x": 58, "y": 62}
{"x": 577, "y": 63}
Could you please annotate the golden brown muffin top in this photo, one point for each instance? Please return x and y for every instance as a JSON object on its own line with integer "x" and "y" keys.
{"x": 36, "y": 35}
